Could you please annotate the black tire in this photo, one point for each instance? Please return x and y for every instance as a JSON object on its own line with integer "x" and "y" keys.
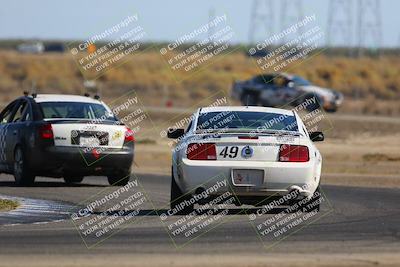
{"x": 23, "y": 175}
{"x": 249, "y": 100}
{"x": 73, "y": 179}
{"x": 177, "y": 198}
{"x": 314, "y": 203}
{"x": 313, "y": 106}
{"x": 120, "y": 178}
{"x": 331, "y": 110}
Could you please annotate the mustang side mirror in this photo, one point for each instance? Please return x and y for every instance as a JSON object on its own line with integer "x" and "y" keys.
{"x": 317, "y": 136}
{"x": 175, "y": 133}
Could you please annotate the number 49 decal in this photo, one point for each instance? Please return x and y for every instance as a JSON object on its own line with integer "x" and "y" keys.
{"x": 230, "y": 152}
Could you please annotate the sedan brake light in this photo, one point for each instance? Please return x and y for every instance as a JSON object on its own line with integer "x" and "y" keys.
{"x": 46, "y": 131}
{"x": 293, "y": 153}
{"x": 201, "y": 151}
{"x": 129, "y": 135}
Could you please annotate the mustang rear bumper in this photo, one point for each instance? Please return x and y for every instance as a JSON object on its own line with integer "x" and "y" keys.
{"x": 279, "y": 177}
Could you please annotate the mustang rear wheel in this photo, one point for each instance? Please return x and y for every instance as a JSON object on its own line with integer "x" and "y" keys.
{"x": 22, "y": 174}
{"x": 120, "y": 178}
{"x": 177, "y": 198}
{"x": 73, "y": 179}
{"x": 314, "y": 203}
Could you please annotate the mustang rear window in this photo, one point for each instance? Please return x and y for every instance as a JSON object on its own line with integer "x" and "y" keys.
{"x": 75, "y": 110}
{"x": 247, "y": 121}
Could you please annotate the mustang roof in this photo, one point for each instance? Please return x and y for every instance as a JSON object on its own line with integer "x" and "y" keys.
{"x": 64, "y": 98}
{"x": 249, "y": 109}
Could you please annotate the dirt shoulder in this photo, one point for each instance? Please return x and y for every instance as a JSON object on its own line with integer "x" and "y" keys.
{"x": 292, "y": 260}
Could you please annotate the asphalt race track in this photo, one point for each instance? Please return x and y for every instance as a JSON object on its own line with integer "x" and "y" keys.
{"x": 362, "y": 220}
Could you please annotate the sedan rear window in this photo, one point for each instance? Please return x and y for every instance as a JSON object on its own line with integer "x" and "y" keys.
{"x": 75, "y": 110}
{"x": 246, "y": 121}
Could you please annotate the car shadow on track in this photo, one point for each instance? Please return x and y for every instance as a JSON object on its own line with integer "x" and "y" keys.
{"x": 49, "y": 184}
{"x": 159, "y": 212}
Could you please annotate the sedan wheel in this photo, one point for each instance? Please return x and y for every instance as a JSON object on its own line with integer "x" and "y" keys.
{"x": 73, "y": 179}
{"x": 22, "y": 174}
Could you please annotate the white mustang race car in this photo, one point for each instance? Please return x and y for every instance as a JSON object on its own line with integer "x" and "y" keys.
{"x": 264, "y": 154}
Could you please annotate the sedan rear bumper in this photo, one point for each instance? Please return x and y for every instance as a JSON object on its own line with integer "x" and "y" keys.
{"x": 55, "y": 161}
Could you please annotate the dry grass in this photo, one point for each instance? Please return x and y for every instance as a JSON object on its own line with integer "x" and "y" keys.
{"x": 6, "y": 204}
{"x": 367, "y": 79}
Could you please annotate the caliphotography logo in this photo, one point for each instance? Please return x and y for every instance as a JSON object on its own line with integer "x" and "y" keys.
{"x": 109, "y": 48}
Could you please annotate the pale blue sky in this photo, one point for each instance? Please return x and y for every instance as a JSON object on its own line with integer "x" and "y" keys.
{"x": 162, "y": 20}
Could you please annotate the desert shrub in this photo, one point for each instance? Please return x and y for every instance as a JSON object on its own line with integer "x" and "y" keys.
{"x": 147, "y": 72}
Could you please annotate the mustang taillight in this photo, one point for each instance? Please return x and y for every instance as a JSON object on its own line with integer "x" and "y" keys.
{"x": 201, "y": 151}
{"x": 46, "y": 131}
{"x": 293, "y": 153}
{"x": 129, "y": 135}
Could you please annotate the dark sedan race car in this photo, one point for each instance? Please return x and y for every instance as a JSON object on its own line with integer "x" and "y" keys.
{"x": 281, "y": 89}
{"x": 65, "y": 136}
